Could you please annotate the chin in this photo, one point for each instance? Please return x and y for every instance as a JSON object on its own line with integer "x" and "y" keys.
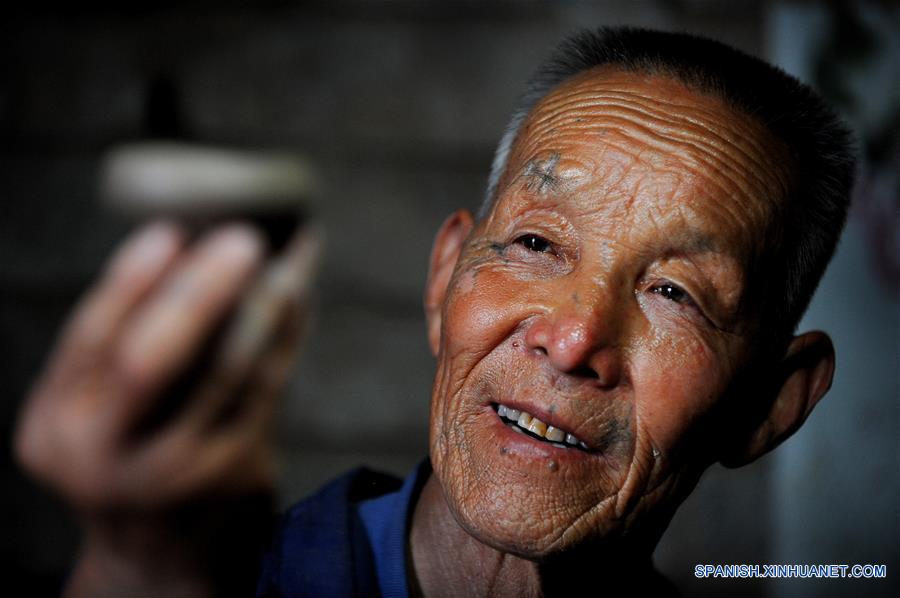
{"x": 540, "y": 540}
{"x": 522, "y": 498}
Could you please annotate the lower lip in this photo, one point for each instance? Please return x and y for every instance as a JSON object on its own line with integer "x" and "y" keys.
{"x": 518, "y": 443}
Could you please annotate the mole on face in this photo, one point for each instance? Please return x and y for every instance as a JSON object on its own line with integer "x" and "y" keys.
{"x": 542, "y": 175}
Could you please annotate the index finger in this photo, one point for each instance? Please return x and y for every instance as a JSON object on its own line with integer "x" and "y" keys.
{"x": 134, "y": 270}
{"x": 172, "y": 325}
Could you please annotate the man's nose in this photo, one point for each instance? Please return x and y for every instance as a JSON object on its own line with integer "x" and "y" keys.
{"x": 577, "y": 341}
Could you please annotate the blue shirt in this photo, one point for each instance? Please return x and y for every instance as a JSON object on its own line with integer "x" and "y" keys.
{"x": 347, "y": 539}
{"x": 350, "y": 539}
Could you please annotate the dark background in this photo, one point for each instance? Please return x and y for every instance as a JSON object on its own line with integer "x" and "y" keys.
{"x": 398, "y": 105}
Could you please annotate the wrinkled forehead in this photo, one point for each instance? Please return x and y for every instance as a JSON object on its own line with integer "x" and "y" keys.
{"x": 615, "y": 131}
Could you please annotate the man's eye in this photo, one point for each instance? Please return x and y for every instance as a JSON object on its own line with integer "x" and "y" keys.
{"x": 672, "y": 292}
{"x": 534, "y": 243}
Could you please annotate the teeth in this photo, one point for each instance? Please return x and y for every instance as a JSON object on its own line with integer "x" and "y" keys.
{"x": 537, "y": 427}
{"x": 555, "y": 434}
{"x": 522, "y": 420}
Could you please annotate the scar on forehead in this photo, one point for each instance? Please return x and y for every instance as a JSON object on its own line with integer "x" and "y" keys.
{"x": 541, "y": 174}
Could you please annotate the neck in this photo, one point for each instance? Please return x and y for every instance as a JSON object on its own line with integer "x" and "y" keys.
{"x": 448, "y": 561}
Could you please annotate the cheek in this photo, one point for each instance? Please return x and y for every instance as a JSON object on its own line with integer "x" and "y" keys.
{"x": 478, "y": 316}
{"x": 677, "y": 380}
{"x": 480, "y": 312}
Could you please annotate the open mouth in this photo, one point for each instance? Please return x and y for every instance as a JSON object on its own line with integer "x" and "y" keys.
{"x": 525, "y": 423}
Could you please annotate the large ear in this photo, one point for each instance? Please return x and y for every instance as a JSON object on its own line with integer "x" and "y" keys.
{"x": 447, "y": 244}
{"x": 804, "y": 378}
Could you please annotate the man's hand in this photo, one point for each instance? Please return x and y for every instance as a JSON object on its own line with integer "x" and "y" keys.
{"x": 159, "y": 396}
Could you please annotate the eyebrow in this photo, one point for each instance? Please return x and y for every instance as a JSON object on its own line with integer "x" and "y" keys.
{"x": 687, "y": 237}
{"x": 692, "y": 240}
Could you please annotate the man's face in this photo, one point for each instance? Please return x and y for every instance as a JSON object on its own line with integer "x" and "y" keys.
{"x": 605, "y": 295}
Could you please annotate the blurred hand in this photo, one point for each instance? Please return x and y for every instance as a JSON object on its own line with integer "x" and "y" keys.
{"x": 213, "y": 320}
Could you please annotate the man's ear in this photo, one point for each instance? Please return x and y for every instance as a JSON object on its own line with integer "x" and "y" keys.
{"x": 447, "y": 244}
{"x": 803, "y": 379}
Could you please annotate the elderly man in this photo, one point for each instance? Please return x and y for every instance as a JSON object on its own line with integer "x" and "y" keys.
{"x": 618, "y": 317}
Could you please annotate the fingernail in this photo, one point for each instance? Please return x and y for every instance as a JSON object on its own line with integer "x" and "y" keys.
{"x": 149, "y": 247}
{"x": 237, "y": 242}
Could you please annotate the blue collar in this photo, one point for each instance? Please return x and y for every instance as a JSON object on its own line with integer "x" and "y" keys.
{"x": 387, "y": 520}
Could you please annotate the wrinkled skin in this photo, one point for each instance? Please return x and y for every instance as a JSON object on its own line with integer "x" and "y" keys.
{"x": 610, "y": 292}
